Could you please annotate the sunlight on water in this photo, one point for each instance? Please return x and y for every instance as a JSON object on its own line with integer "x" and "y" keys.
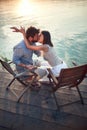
{"x": 24, "y": 8}
{"x": 65, "y": 19}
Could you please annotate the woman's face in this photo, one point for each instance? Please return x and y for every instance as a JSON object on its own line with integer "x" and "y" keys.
{"x": 41, "y": 38}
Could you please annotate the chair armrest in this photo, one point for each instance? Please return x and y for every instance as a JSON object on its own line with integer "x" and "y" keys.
{"x": 74, "y": 63}
{"x": 26, "y": 73}
{"x": 20, "y": 74}
{"x": 10, "y": 62}
{"x": 53, "y": 77}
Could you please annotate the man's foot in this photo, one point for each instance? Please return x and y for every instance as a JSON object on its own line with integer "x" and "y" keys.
{"x": 36, "y": 86}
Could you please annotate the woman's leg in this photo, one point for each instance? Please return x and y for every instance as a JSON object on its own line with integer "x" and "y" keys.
{"x": 41, "y": 72}
{"x": 56, "y": 70}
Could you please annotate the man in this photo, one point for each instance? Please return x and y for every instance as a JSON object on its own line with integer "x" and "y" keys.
{"x": 22, "y": 56}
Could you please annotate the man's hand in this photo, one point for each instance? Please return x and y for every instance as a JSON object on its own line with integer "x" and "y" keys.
{"x": 30, "y": 67}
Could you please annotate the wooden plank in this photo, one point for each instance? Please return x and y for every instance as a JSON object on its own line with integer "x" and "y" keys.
{"x": 62, "y": 119}
{"x": 41, "y": 107}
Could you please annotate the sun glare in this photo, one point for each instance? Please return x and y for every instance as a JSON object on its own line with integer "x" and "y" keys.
{"x": 25, "y": 7}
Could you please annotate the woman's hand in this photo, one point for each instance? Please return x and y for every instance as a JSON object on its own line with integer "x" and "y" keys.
{"x": 21, "y": 30}
{"x": 15, "y": 29}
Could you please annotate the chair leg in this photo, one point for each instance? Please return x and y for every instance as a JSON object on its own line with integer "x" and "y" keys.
{"x": 81, "y": 98}
{"x": 23, "y": 93}
{"x": 50, "y": 80}
{"x": 10, "y": 83}
{"x": 28, "y": 86}
{"x": 58, "y": 108}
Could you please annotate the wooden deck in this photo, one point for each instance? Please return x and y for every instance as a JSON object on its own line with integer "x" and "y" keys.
{"x": 37, "y": 110}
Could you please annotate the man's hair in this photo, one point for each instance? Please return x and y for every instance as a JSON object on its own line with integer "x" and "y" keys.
{"x": 31, "y": 31}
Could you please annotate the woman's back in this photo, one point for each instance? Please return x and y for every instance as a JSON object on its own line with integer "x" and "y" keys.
{"x": 51, "y": 56}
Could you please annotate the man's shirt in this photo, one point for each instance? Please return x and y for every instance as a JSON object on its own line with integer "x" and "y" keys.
{"x": 21, "y": 54}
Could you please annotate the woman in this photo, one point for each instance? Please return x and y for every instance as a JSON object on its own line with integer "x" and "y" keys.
{"x": 48, "y": 50}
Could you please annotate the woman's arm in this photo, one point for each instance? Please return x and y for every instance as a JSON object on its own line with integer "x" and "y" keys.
{"x": 32, "y": 47}
{"x": 22, "y": 30}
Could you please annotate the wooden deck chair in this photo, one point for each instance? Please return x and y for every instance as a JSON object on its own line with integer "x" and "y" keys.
{"x": 71, "y": 77}
{"x": 19, "y": 78}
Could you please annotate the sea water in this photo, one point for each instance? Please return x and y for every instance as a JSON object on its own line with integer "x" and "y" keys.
{"x": 65, "y": 19}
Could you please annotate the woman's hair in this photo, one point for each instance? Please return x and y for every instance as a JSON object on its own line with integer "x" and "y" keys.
{"x": 47, "y": 38}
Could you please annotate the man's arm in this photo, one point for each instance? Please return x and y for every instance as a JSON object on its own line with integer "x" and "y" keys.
{"x": 18, "y": 53}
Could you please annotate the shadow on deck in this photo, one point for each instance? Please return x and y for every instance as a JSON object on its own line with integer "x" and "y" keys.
{"x": 37, "y": 110}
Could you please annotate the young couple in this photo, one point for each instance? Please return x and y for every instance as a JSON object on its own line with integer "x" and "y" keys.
{"x": 23, "y": 52}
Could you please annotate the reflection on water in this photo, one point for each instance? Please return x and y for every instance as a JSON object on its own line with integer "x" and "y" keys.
{"x": 65, "y": 19}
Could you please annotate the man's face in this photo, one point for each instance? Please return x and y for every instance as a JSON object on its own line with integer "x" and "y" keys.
{"x": 35, "y": 38}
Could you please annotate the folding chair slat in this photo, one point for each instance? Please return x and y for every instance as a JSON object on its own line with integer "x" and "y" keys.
{"x": 69, "y": 72}
{"x": 71, "y": 79}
